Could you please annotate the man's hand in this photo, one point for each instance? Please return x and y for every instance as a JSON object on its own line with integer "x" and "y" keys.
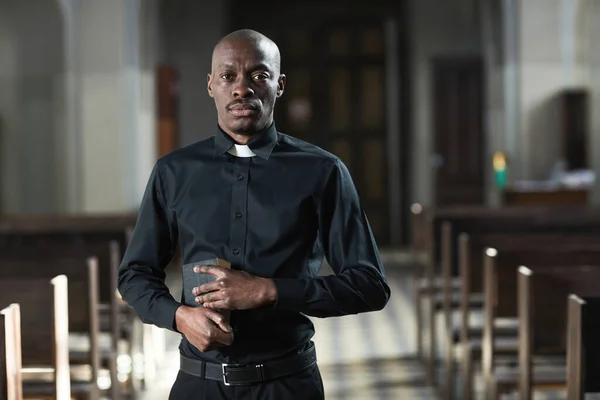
{"x": 204, "y": 328}
{"x": 233, "y": 290}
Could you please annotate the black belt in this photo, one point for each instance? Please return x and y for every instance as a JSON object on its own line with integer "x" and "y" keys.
{"x": 245, "y": 374}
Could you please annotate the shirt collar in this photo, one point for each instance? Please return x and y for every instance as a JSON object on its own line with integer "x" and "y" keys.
{"x": 241, "y": 150}
{"x": 262, "y": 145}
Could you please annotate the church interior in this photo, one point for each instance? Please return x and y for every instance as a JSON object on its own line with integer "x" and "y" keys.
{"x": 469, "y": 128}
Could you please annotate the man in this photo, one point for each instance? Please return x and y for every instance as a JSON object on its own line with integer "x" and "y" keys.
{"x": 272, "y": 206}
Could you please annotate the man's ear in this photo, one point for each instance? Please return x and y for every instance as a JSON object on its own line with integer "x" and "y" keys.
{"x": 209, "y": 85}
{"x": 281, "y": 85}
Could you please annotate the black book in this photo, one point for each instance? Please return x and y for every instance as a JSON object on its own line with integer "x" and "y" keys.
{"x": 192, "y": 279}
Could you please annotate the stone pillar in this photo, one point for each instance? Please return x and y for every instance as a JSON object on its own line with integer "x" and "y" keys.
{"x": 31, "y": 104}
{"x": 589, "y": 14}
{"x": 110, "y": 133}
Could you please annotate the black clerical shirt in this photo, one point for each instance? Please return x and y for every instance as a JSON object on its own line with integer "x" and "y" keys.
{"x": 274, "y": 215}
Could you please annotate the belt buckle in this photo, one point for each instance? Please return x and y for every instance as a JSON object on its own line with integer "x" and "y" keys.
{"x": 259, "y": 370}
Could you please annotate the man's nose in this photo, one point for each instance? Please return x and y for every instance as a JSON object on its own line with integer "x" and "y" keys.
{"x": 242, "y": 88}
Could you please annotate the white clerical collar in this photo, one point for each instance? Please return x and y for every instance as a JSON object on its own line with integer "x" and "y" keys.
{"x": 241, "y": 150}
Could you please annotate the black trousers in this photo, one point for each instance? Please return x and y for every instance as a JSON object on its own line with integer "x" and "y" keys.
{"x": 306, "y": 385}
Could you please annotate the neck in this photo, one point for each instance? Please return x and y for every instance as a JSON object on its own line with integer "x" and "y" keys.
{"x": 241, "y": 139}
{"x": 247, "y": 137}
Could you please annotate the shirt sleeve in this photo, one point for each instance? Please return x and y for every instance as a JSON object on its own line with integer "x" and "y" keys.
{"x": 151, "y": 248}
{"x": 359, "y": 283}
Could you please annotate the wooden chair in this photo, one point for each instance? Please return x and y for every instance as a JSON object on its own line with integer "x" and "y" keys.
{"x": 44, "y": 336}
{"x": 500, "y": 278}
{"x": 511, "y": 221}
{"x": 513, "y": 249}
{"x": 11, "y": 382}
{"x": 29, "y": 230}
{"x": 82, "y": 311}
{"x": 543, "y": 301}
{"x": 420, "y": 251}
{"x": 110, "y": 306}
{"x": 441, "y": 270}
{"x": 583, "y": 351}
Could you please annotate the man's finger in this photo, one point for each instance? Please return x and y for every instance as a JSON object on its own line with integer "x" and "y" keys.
{"x": 206, "y": 288}
{"x": 218, "y": 319}
{"x": 218, "y": 304}
{"x": 213, "y": 270}
{"x": 209, "y": 297}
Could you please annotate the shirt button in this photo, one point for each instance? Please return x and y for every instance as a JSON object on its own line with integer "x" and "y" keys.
{"x": 240, "y": 177}
{"x": 236, "y": 251}
{"x": 238, "y": 215}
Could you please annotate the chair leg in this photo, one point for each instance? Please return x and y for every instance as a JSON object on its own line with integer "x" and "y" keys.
{"x": 419, "y": 318}
{"x": 449, "y": 367}
{"x": 115, "y": 385}
{"x": 93, "y": 394}
{"x": 467, "y": 373}
{"x": 432, "y": 362}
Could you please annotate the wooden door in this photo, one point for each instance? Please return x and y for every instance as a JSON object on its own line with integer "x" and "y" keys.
{"x": 334, "y": 60}
{"x": 167, "y": 84}
{"x": 458, "y": 131}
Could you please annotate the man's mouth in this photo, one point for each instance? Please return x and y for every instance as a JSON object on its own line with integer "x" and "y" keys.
{"x": 243, "y": 110}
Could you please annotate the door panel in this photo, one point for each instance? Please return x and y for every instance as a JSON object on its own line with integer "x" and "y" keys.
{"x": 334, "y": 60}
{"x": 458, "y": 131}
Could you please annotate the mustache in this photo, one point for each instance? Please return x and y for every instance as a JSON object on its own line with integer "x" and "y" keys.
{"x": 251, "y": 104}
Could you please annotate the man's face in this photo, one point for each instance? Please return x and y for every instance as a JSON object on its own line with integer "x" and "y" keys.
{"x": 245, "y": 82}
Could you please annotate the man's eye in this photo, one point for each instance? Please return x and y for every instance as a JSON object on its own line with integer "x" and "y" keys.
{"x": 261, "y": 77}
{"x": 226, "y": 76}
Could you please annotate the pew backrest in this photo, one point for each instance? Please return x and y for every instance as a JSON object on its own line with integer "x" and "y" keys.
{"x": 107, "y": 254}
{"x": 97, "y": 228}
{"x": 11, "y": 385}
{"x": 507, "y": 262}
{"x": 583, "y": 348}
{"x": 543, "y": 300}
{"x": 506, "y": 220}
{"x": 472, "y": 248}
{"x": 82, "y": 304}
{"x": 44, "y": 316}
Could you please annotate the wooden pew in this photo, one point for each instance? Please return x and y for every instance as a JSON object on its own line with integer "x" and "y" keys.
{"x": 470, "y": 295}
{"x": 501, "y": 272}
{"x": 11, "y": 382}
{"x": 543, "y": 294}
{"x": 28, "y": 230}
{"x": 108, "y": 256}
{"x": 76, "y": 235}
{"x": 447, "y": 227}
{"x": 583, "y": 351}
{"x": 513, "y": 250}
{"x": 82, "y": 311}
{"x": 44, "y": 332}
{"x": 483, "y": 219}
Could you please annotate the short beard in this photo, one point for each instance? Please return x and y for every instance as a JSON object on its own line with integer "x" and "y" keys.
{"x": 246, "y": 132}
{"x": 251, "y": 130}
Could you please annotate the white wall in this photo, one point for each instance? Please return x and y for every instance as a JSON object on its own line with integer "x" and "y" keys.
{"x": 78, "y": 104}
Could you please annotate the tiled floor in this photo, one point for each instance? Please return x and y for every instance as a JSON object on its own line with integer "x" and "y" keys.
{"x": 365, "y": 356}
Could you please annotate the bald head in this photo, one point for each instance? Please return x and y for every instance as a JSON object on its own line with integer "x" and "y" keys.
{"x": 247, "y": 40}
{"x": 245, "y": 81}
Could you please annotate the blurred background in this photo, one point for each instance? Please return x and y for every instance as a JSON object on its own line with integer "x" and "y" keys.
{"x": 440, "y": 103}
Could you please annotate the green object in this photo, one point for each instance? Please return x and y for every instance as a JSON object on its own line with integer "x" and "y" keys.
{"x": 501, "y": 178}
